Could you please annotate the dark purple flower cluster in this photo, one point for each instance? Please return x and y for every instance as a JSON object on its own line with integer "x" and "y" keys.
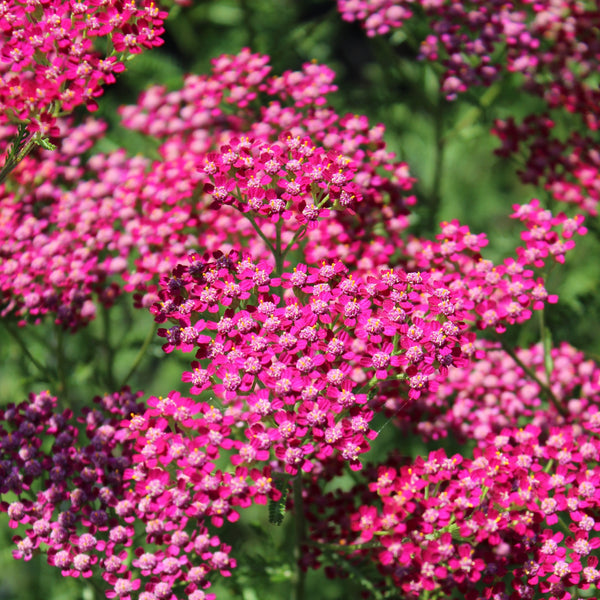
{"x": 84, "y": 503}
{"x": 554, "y": 49}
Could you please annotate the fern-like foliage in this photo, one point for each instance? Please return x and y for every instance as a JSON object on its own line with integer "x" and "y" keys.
{"x": 277, "y": 508}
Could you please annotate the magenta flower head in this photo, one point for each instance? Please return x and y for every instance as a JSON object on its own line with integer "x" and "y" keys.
{"x": 49, "y": 61}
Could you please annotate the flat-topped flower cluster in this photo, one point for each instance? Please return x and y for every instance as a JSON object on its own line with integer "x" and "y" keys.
{"x": 267, "y": 237}
{"x": 91, "y": 496}
{"x": 48, "y": 62}
{"x": 498, "y": 389}
{"x": 115, "y": 217}
{"x": 518, "y": 519}
{"x": 552, "y": 46}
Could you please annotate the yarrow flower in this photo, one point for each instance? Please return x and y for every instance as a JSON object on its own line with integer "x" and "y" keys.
{"x": 479, "y": 44}
{"x": 495, "y": 375}
{"x": 115, "y": 212}
{"x": 49, "y": 60}
{"x": 306, "y": 316}
{"x": 492, "y": 508}
{"x": 288, "y": 349}
{"x": 83, "y": 516}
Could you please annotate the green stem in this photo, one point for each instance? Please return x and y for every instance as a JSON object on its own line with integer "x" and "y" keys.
{"x": 262, "y": 236}
{"x": 278, "y": 254}
{"x": 475, "y": 112}
{"x": 297, "y": 235}
{"x": 546, "y": 345}
{"x": 61, "y": 363}
{"x": 110, "y": 355}
{"x": 564, "y": 526}
{"x": 298, "y": 590}
{"x": 301, "y": 231}
{"x": 140, "y": 354}
{"x": 34, "y": 361}
{"x": 19, "y": 150}
{"x": 532, "y": 375}
{"x": 435, "y": 199}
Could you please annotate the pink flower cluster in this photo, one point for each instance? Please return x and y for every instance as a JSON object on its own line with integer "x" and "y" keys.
{"x": 198, "y": 119}
{"x": 528, "y": 497}
{"x": 539, "y": 40}
{"x": 298, "y": 368}
{"x": 113, "y": 211}
{"x": 116, "y": 207}
{"x": 305, "y": 316}
{"x": 498, "y": 294}
{"x": 291, "y": 180}
{"x": 518, "y": 519}
{"x": 91, "y": 497}
{"x": 495, "y": 392}
{"x": 48, "y": 63}
{"x": 52, "y": 240}
{"x": 378, "y": 18}
{"x": 307, "y": 348}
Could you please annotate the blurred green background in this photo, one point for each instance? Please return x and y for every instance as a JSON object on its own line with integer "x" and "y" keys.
{"x": 378, "y": 77}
